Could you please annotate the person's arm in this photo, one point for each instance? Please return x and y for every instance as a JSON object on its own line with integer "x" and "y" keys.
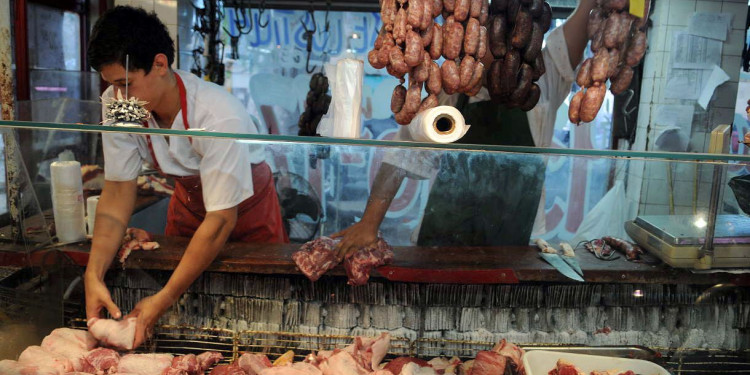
{"x": 575, "y": 32}
{"x": 112, "y": 215}
{"x": 203, "y": 248}
{"x": 365, "y": 232}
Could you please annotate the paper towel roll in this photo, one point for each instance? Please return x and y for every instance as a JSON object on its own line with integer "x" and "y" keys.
{"x": 442, "y": 124}
{"x": 91, "y": 203}
{"x": 347, "y": 98}
{"x": 67, "y": 201}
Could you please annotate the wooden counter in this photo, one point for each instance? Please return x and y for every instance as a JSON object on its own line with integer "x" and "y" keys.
{"x": 468, "y": 265}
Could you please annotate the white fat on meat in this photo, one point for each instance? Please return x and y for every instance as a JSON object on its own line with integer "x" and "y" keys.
{"x": 115, "y": 333}
{"x": 71, "y": 350}
{"x": 253, "y": 363}
{"x": 412, "y": 368}
{"x": 512, "y": 352}
{"x": 208, "y": 359}
{"x": 81, "y": 337}
{"x": 299, "y": 368}
{"x": 342, "y": 363}
{"x": 144, "y": 364}
{"x": 38, "y": 356}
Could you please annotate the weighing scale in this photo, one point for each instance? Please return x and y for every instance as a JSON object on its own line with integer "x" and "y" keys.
{"x": 677, "y": 240}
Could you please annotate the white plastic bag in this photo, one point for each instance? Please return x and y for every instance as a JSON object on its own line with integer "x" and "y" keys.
{"x": 608, "y": 217}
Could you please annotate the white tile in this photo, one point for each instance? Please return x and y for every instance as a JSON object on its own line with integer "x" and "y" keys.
{"x": 683, "y": 210}
{"x": 652, "y": 63}
{"x": 656, "y": 209}
{"x": 665, "y": 65}
{"x": 166, "y": 10}
{"x": 683, "y": 193}
{"x": 680, "y": 11}
{"x": 658, "y": 192}
{"x": 660, "y": 13}
{"x": 734, "y": 43}
{"x": 732, "y": 65}
{"x": 708, "y": 6}
{"x": 684, "y": 171}
{"x": 657, "y": 38}
{"x": 647, "y": 91}
{"x": 739, "y": 12}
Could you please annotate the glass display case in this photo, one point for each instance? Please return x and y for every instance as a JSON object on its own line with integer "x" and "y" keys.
{"x": 466, "y": 270}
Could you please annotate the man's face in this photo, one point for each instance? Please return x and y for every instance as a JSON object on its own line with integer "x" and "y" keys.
{"x": 140, "y": 85}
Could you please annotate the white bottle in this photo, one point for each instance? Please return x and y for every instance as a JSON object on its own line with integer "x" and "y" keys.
{"x": 67, "y": 201}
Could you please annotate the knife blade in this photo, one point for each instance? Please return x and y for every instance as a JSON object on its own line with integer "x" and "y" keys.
{"x": 573, "y": 262}
{"x": 560, "y": 265}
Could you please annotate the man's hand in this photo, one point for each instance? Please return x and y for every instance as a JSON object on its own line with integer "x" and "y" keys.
{"x": 98, "y": 297}
{"x": 148, "y": 312}
{"x": 361, "y": 234}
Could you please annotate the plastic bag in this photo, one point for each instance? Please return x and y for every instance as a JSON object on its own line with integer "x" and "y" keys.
{"x": 740, "y": 186}
{"x": 607, "y": 217}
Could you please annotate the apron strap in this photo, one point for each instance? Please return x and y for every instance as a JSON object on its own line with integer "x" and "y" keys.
{"x": 185, "y": 124}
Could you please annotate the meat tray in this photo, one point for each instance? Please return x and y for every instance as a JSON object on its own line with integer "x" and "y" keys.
{"x": 540, "y": 362}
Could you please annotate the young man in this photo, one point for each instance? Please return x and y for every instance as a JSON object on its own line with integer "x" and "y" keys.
{"x": 482, "y": 199}
{"x": 223, "y": 189}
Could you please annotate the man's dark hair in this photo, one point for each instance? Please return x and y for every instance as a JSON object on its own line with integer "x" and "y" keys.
{"x": 125, "y": 30}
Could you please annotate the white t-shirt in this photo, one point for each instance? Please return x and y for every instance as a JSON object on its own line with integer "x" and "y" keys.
{"x": 554, "y": 85}
{"x": 224, "y": 165}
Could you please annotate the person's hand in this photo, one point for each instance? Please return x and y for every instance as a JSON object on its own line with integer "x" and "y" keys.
{"x": 98, "y": 297}
{"x": 148, "y": 311}
{"x": 359, "y": 235}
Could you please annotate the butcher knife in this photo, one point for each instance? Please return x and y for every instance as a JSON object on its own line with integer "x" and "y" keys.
{"x": 569, "y": 256}
{"x": 549, "y": 254}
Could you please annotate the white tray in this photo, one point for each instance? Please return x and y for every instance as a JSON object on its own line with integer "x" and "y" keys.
{"x": 540, "y": 362}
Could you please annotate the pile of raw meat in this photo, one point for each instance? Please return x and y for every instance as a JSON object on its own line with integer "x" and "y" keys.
{"x": 318, "y": 256}
{"x": 73, "y": 351}
{"x": 70, "y": 351}
{"x": 135, "y": 239}
{"x": 618, "y": 41}
{"x": 516, "y": 34}
{"x": 566, "y": 368}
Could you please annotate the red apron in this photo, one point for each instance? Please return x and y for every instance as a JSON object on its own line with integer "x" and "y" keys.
{"x": 258, "y": 217}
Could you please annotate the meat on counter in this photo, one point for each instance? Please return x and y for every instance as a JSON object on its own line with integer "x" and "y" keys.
{"x": 318, "y": 256}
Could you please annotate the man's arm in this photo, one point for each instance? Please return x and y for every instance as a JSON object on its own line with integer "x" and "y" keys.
{"x": 575, "y": 32}
{"x": 365, "y": 232}
{"x": 203, "y": 248}
{"x": 112, "y": 215}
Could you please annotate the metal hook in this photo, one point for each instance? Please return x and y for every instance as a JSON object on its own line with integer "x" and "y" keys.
{"x": 261, "y": 10}
{"x": 309, "y": 34}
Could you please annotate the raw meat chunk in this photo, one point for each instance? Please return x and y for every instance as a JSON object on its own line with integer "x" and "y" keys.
{"x": 145, "y": 364}
{"x": 115, "y": 333}
{"x": 316, "y": 257}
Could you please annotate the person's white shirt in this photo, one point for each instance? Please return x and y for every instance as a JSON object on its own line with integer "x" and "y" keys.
{"x": 224, "y": 165}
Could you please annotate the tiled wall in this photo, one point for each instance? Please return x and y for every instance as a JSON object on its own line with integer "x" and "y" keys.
{"x": 165, "y": 9}
{"x": 668, "y": 17}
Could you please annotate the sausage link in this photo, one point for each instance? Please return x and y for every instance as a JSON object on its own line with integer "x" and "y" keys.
{"x": 462, "y": 10}
{"x": 473, "y": 91}
{"x": 399, "y": 26}
{"x": 427, "y": 35}
{"x": 436, "y": 46}
{"x": 512, "y": 10}
{"x": 597, "y": 43}
{"x": 437, "y": 8}
{"x": 531, "y": 98}
{"x": 536, "y": 8}
{"x": 545, "y": 20}
{"x": 583, "y": 78}
{"x": 522, "y": 29}
{"x": 523, "y": 84}
{"x": 372, "y": 57}
{"x": 404, "y": 118}
{"x": 414, "y": 13}
{"x": 414, "y": 50}
{"x": 379, "y": 39}
{"x": 495, "y": 77}
{"x": 413, "y": 98}
{"x": 616, "y": 5}
{"x": 471, "y": 37}
{"x": 534, "y": 48}
{"x": 596, "y": 20}
{"x": 388, "y": 14}
{"x": 498, "y": 6}
{"x": 621, "y": 82}
{"x": 612, "y": 30}
{"x": 453, "y": 39}
{"x": 475, "y": 8}
{"x": 384, "y": 52}
{"x": 449, "y": 5}
{"x": 451, "y": 78}
{"x": 511, "y": 66}
{"x": 484, "y": 12}
{"x": 465, "y": 71}
{"x": 539, "y": 68}
{"x": 398, "y": 98}
{"x": 431, "y": 101}
{"x": 476, "y": 76}
{"x": 427, "y": 18}
{"x": 397, "y": 61}
{"x": 422, "y": 71}
{"x": 626, "y": 23}
{"x": 591, "y": 102}
{"x": 637, "y": 49}
{"x": 497, "y": 31}
{"x": 614, "y": 62}
{"x": 574, "y": 111}
{"x": 600, "y": 66}
{"x": 435, "y": 80}
{"x": 482, "y": 47}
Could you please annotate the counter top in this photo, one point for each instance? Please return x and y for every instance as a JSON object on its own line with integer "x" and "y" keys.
{"x": 465, "y": 265}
